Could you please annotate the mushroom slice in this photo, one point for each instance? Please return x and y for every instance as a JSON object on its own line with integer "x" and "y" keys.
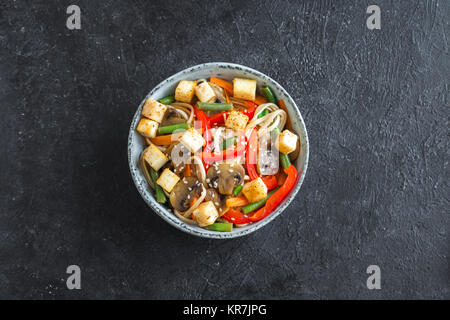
{"x": 184, "y": 192}
{"x": 225, "y": 176}
{"x": 219, "y": 200}
{"x": 172, "y": 116}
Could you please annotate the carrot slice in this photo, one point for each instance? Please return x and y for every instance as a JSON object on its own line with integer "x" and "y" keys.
{"x": 227, "y": 96}
{"x": 282, "y": 105}
{"x": 227, "y": 86}
{"x": 165, "y": 139}
{"x": 260, "y": 100}
{"x": 187, "y": 170}
{"x": 236, "y": 202}
{"x": 193, "y": 201}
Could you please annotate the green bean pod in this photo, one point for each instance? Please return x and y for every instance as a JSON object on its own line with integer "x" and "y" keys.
{"x": 263, "y": 113}
{"x": 214, "y": 106}
{"x": 258, "y": 204}
{"x": 237, "y": 189}
{"x": 220, "y": 226}
{"x": 269, "y": 94}
{"x": 173, "y": 127}
{"x": 167, "y": 100}
{"x": 228, "y": 143}
{"x": 160, "y": 196}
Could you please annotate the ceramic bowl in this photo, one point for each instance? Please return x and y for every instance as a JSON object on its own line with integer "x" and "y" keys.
{"x": 226, "y": 71}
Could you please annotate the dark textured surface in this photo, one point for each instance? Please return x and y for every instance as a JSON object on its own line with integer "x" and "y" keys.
{"x": 376, "y": 105}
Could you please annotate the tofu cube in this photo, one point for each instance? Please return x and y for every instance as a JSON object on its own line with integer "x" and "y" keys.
{"x": 185, "y": 91}
{"x": 236, "y": 120}
{"x": 154, "y": 110}
{"x": 244, "y": 89}
{"x": 205, "y": 214}
{"x": 286, "y": 142}
{"x": 192, "y": 139}
{"x": 255, "y": 190}
{"x": 154, "y": 157}
{"x": 167, "y": 180}
{"x": 148, "y": 128}
{"x": 205, "y": 93}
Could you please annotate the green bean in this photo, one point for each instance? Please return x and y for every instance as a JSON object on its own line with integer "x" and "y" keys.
{"x": 237, "y": 189}
{"x": 220, "y": 226}
{"x": 173, "y": 127}
{"x": 228, "y": 143}
{"x": 263, "y": 113}
{"x": 284, "y": 160}
{"x": 214, "y": 106}
{"x": 167, "y": 100}
{"x": 269, "y": 94}
{"x": 160, "y": 196}
{"x": 258, "y": 204}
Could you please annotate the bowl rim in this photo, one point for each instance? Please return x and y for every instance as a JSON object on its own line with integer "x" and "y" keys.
{"x": 167, "y": 215}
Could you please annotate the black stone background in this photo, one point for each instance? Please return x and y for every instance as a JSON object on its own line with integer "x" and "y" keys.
{"x": 376, "y": 106}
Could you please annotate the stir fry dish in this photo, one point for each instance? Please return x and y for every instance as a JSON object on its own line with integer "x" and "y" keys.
{"x": 219, "y": 153}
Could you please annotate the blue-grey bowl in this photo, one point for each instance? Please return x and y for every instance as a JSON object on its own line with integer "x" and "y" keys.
{"x": 226, "y": 71}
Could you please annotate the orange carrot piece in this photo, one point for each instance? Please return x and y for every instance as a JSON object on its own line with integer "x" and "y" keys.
{"x": 193, "y": 201}
{"x": 227, "y": 86}
{"x": 260, "y": 100}
{"x": 162, "y": 140}
{"x": 236, "y": 202}
{"x": 282, "y": 105}
{"x": 166, "y": 139}
{"x": 227, "y": 96}
{"x": 187, "y": 170}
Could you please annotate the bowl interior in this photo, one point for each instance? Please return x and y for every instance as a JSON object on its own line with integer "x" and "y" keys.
{"x": 226, "y": 71}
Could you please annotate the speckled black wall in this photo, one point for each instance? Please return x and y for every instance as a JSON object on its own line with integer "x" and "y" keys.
{"x": 376, "y": 106}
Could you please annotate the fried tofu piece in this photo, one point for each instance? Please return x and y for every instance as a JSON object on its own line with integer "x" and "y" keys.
{"x": 255, "y": 190}
{"x": 236, "y": 120}
{"x": 205, "y": 93}
{"x": 192, "y": 139}
{"x": 154, "y": 110}
{"x": 205, "y": 214}
{"x": 185, "y": 91}
{"x": 167, "y": 180}
{"x": 244, "y": 89}
{"x": 155, "y": 157}
{"x": 286, "y": 142}
{"x": 148, "y": 128}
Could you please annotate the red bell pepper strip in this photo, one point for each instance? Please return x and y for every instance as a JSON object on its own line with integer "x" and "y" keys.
{"x": 206, "y": 131}
{"x": 218, "y": 118}
{"x": 250, "y": 157}
{"x": 235, "y": 216}
{"x": 278, "y": 196}
{"x": 270, "y": 182}
{"x": 250, "y": 111}
{"x": 209, "y": 157}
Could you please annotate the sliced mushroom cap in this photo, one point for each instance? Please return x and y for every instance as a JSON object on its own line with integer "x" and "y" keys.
{"x": 172, "y": 116}
{"x": 184, "y": 192}
{"x": 179, "y": 156}
{"x": 219, "y": 200}
{"x": 225, "y": 177}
